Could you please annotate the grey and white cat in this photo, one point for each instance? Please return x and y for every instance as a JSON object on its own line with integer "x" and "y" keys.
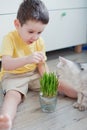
{"x": 73, "y": 74}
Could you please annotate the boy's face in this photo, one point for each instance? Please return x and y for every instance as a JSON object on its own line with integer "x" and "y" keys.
{"x": 30, "y": 31}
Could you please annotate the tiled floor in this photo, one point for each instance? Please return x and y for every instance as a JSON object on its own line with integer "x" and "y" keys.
{"x": 29, "y": 115}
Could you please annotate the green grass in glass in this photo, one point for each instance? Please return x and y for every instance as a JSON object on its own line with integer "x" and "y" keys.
{"x": 49, "y": 84}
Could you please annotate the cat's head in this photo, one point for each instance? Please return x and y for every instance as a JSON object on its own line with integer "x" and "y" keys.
{"x": 67, "y": 68}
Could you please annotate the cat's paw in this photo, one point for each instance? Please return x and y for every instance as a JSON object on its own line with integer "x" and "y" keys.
{"x": 82, "y": 108}
{"x": 79, "y": 106}
{"x": 76, "y": 105}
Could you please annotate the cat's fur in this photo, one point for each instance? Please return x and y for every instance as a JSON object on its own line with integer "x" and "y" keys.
{"x": 74, "y": 75}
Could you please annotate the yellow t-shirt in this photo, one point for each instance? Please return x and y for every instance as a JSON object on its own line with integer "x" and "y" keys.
{"x": 14, "y": 46}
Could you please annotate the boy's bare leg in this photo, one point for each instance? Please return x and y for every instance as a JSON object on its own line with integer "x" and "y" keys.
{"x": 9, "y": 108}
{"x": 67, "y": 89}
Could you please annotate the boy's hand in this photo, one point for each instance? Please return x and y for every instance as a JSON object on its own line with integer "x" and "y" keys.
{"x": 36, "y": 57}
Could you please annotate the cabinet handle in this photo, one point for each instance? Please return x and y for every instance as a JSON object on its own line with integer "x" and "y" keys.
{"x": 63, "y": 14}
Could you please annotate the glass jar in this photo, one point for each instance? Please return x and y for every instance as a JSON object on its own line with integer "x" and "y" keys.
{"x": 48, "y": 104}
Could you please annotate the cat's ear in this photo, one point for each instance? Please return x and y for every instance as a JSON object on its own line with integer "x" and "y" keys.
{"x": 62, "y": 59}
{"x": 65, "y": 61}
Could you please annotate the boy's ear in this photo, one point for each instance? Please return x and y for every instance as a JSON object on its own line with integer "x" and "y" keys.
{"x": 16, "y": 23}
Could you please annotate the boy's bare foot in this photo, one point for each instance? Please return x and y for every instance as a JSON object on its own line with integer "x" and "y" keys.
{"x": 5, "y": 122}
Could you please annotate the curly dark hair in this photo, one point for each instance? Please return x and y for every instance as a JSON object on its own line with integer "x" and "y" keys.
{"x": 32, "y": 10}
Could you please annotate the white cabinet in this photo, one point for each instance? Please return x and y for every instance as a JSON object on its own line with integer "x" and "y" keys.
{"x": 66, "y": 28}
{"x": 68, "y": 24}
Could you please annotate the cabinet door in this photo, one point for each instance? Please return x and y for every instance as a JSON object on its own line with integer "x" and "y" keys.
{"x": 66, "y": 28}
{"x": 65, "y": 4}
{"x": 9, "y": 6}
{"x": 6, "y": 25}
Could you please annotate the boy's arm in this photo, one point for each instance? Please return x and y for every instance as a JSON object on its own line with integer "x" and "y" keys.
{"x": 9, "y": 63}
{"x": 43, "y": 67}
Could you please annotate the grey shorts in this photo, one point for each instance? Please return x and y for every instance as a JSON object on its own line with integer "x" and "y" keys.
{"x": 21, "y": 82}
